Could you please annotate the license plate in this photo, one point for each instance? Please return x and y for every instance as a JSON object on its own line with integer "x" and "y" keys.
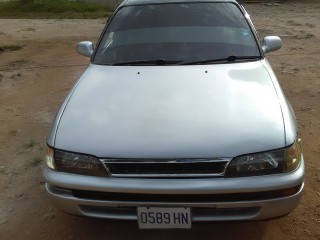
{"x": 157, "y": 217}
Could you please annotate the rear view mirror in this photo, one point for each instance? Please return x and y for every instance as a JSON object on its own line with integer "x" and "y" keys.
{"x": 85, "y": 48}
{"x": 271, "y": 44}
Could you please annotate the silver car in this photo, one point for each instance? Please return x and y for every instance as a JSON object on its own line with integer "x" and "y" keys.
{"x": 178, "y": 118}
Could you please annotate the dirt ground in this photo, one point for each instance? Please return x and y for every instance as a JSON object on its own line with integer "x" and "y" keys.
{"x": 35, "y": 79}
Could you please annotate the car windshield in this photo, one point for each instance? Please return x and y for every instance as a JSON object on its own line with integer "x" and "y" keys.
{"x": 159, "y": 34}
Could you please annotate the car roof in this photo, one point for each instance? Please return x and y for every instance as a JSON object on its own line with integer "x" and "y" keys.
{"x": 142, "y": 2}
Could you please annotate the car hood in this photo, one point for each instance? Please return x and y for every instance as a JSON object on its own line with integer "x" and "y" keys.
{"x": 202, "y": 111}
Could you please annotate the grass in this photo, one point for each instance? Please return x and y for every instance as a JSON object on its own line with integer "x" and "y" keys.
{"x": 11, "y": 48}
{"x": 52, "y": 9}
{"x": 36, "y": 161}
{"x": 30, "y": 144}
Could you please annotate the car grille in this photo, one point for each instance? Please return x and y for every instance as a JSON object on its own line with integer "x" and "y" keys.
{"x": 166, "y": 168}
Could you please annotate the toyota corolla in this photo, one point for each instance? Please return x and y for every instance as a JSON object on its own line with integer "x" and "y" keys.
{"x": 178, "y": 118}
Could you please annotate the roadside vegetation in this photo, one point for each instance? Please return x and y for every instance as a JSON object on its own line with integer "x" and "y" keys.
{"x": 52, "y": 9}
{"x": 9, "y": 48}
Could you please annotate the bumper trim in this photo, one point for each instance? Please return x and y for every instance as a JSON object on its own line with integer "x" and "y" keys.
{"x": 174, "y": 198}
{"x": 198, "y": 213}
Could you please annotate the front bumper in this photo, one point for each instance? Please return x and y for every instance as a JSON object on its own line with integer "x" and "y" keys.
{"x": 210, "y": 199}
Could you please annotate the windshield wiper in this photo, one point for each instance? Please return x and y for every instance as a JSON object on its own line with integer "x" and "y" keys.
{"x": 232, "y": 58}
{"x": 156, "y": 62}
{"x": 162, "y": 62}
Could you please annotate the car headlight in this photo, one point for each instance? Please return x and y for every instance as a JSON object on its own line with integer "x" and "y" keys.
{"x": 75, "y": 163}
{"x": 272, "y": 162}
{"x": 293, "y": 156}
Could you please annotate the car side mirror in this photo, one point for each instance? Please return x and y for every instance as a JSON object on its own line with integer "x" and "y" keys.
{"x": 271, "y": 44}
{"x": 85, "y": 48}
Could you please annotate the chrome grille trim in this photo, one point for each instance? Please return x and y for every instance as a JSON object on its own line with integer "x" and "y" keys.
{"x": 180, "y": 168}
